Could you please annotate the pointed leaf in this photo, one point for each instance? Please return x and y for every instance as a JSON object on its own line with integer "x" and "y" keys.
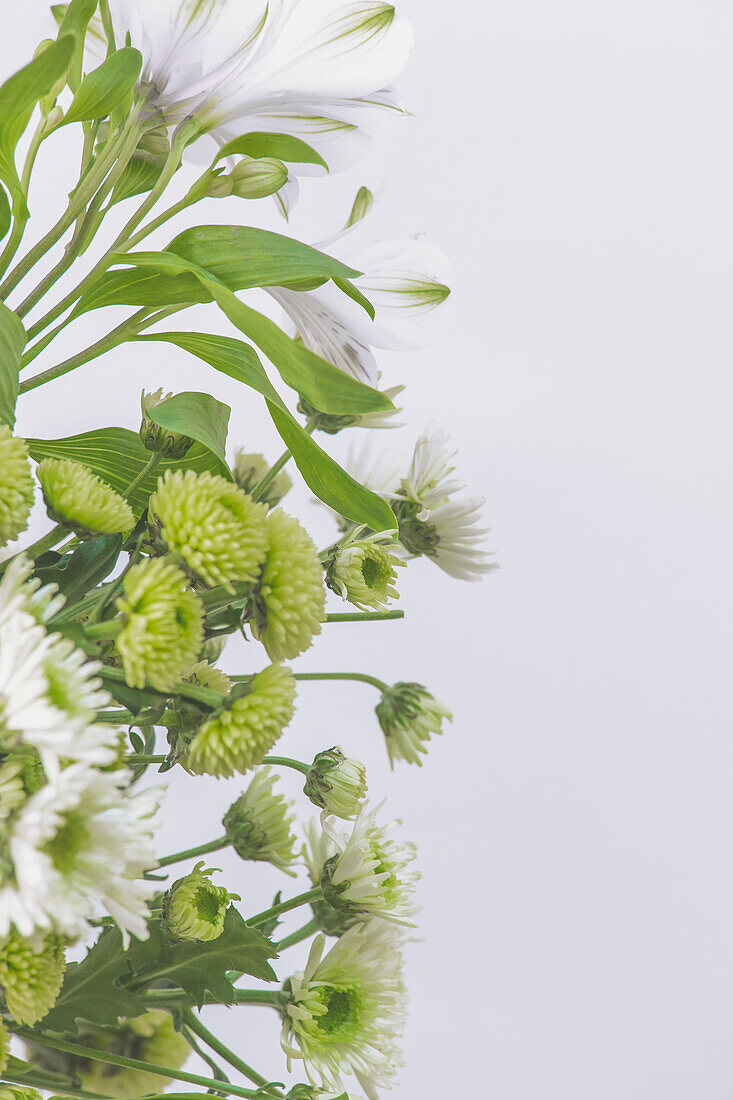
{"x": 135, "y": 287}
{"x": 80, "y": 572}
{"x": 281, "y": 146}
{"x": 91, "y": 989}
{"x": 12, "y": 341}
{"x": 199, "y": 416}
{"x": 106, "y": 87}
{"x": 4, "y": 212}
{"x": 75, "y": 20}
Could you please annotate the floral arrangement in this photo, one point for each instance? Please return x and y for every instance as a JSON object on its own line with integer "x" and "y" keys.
{"x": 112, "y": 623}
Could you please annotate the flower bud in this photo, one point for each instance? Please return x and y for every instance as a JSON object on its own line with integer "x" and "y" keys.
{"x": 363, "y": 573}
{"x": 249, "y": 470}
{"x": 259, "y": 824}
{"x": 408, "y": 715}
{"x": 336, "y": 783}
{"x": 30, "y": 975}
{"x": 160, "y": 440}
{"x": 255, "y": 178}
{"x": 194, "y": 909}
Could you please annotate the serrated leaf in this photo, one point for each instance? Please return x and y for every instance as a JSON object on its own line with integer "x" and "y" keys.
{"x": 104, "y": 89}
{"x": 199, "y": 416}
{"x": 91, "y": 989}
{"x": 12, "y": 342}
{"x": 281, "y": 146}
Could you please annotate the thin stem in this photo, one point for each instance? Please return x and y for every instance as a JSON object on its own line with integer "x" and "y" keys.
{"x": 147, "y": 468}
{"x": 156, "y": 223}
{"x": 285, "y": 906}
{"x": 216, "y": 1070}
{"x": 107, "y": 343}
{"x": 363, "y": 616}
{"x": 271, "y": 475}
{"x": 191, "y": 853}
{"x": 132, "y": 1063}
{"x": 303, "y": 933}
{"x": 219, "y": 1048}
{"x": 136, "y": 758}
{"x": 104, "y": 631}
{"x": 68, "y": 1090}
{"x": 362, "y": 676}
{"x": 286, "y": 762}
{"x": 169, "y": 998}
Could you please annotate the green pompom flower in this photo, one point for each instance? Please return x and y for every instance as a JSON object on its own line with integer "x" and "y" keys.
{"x": 80, "y": 500}
{"x": 336, "y": 783}
{"x": 194, "y": 909}
{"x": 364, "y": 573}
{"x": 241, "y": 734}
{"x": 249, "y": 470}
{"x": 18, "y": 1092}
{"x": 210, "y": 525}
{"x": 408, "y": 715}
{"x": 31, "y": 975}
{"x": 208, "y": 676}
{"x": 287, "y": 606}
{"x": 16, "y": 486}
{"x": 163, "y": 625}
{"x": 259, "y": 824}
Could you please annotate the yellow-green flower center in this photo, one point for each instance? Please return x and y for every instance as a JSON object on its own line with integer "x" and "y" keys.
{"x": 342, "y": 1011}
{"x": 70, "y": 839}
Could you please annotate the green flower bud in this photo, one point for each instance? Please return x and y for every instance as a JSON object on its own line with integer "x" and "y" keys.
{"x": 255, "y": 178}
{"x": 210, "y": 525}
{"x": 244, "y": 731}
{"x": 249, "y": 470}
{"x": 194, "y": 909}
{"x": 287, "y": 607}
{"x": 408, "y": 715}
{"x": 363, "y": 573}
{"x": 259, "y": 824}
{"x": 336, "y": 783}
{"x": 30, "y": 975}
{"x": 16, "y": 486}
{"x": 80, "y": 500}
{"x": 207, "y": 676}
{"x": 163, "y": 625}
{"x": 161, "y": 441}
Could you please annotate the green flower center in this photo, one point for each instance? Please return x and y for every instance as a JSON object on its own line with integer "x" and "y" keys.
{"x": 207, "y": 905}
{"x": 390, "y": 887}
{"x": 58, "y": 692}
{"x": 376, "y": 572}
{"x": 69, "y": 841}
{"x": 342, "y": 1011}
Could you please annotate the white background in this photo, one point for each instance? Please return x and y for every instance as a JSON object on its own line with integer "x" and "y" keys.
{"x": 575, "y": 825}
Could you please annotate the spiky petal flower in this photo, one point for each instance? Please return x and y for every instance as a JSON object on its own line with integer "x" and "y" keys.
{"x": 259, "y": 824}
{"x": 250, "y": 469}
{"x": 336, "y": 783}
{"x": 80, "y": 500}
{"x": 83, "y": 838}
{"x": 369, "y": 875}
{"x": 194, "y": 908}
{"x": 163, "y": 625}
{"x": 16, "y": 486}
{"x": 363, "y": 572}
{"x": 346, "y": 1011}
{"x": 210, "y": 525}
{"x": 408, "y": 715}
{"x": 319, "y": 848}
{"x": 31, "y": 972}
{"x": 238, "y": 737}
{"x": 19, "y": 591}
{"x": 287, "y": 607}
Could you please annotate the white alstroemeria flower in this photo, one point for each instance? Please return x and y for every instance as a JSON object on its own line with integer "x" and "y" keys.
{"x": 369, "y": 876}
{"x": 82, "y": 839}
{"x": 346, "y": 1011}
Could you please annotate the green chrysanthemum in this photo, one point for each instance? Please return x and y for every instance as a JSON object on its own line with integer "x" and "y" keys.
{"x": 336, "y": 783}
{"x": 163, "y": 625}
{"x": 82, "y": 501}
{"x": 408, "y": 715}
{"x": 259, "y": 824}
{"x": 194, "y": 909}
{"x": 16, "y": 486}
{"x": 287, "y": 606}
{"x": 250, "y": 469}
{"x": 31, "y": 975}
{"x": 18, "y": 1092}
{"x": 4, "y": 1046}
{"x": 208, "y": 523}
{"x": 240, "y": 735}
{"x": 363, "y": 573}
{"x": 208, "y": 676}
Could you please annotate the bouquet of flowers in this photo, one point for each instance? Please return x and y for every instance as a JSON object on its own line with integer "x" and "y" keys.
{"x": 112, "y": 624}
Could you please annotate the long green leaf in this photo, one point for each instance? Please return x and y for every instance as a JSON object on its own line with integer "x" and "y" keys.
{"x": 75, "y": 21}
{"x": 12, "y": 341}
{"x": 321, "y": 473}
{"x": 106, "y": 87}
{"x": 117, "y": 456}
{"x": 200, "y": 417}
{"x": 142, "y": 287}
{"x": 281, "y": 146}
{"x": 5, "y": 214}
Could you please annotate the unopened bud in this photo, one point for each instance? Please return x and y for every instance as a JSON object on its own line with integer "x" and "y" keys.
{"x": 259, "y": 824}
{"x": 363, "y": 572}
{"x": 255, "y": 178}
{"x": 194, "y": 909}
{"x": 408, "y": 715}
{"x": 336, "y": 783}
{"x": 161, "y": 441}
{"x": 249, "y": 470}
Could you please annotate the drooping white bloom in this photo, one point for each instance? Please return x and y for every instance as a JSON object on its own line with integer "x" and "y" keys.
{"x": 83, "y": 839}
{"x": 260, "y": 825}
{"x": 370, "y": 874}
{"x": 346, "y": 1011}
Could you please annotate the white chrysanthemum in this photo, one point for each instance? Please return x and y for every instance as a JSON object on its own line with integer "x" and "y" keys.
{"x": 20, "y": 591}
{"x": 83, "y": 839}
{"x": 362, "y": 571}
{"x": 260, "y": 825}
{"x": 369, "y": 876}
{"x": 346, "y": 1011}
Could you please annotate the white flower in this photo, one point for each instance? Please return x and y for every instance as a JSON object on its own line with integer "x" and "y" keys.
{"x": 347, "y": 1010}
{"x": 81, "y": 840}
{"x": 259, "y": 824}
{"x": 18, "y": 590}
{"x": 369, "y": 874}
{"x": 408, "y": 715}
{"x": 362, "y": 571}
{"x": 337, "y": 783}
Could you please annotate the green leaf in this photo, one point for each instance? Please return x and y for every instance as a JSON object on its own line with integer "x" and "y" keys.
{"x": 118, "y": 456}
{"x": 91, "y": 989}
{"x": 134, "y": 287}
{"x": 106, "y": 87}
{"x": 19, "y": 95}
{"x": 201, "y": 968}
{"x": 75, "y": 20}
{"x": 5, "y": 215}
{"x": 12, "y": 341}
{"x": 321, "y": 473}
{"x": 199, "y": 416}
{"x": 80, "y": 572}
{"x": 140, "y": 176}
{"x": 281, "y": 146}
{"x": 241, "y": 257}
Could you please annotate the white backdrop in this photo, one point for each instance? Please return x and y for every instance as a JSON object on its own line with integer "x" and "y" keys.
{"x": 575, "y": 825}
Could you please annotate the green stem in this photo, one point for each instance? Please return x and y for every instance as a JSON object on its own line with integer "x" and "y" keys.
{"x": 20, "y": 222}
{"x": 107, "y": 343}
{"x": 219, "y": 1048}
{"x": 136, "y": 758}
{"x": 132, "y": 1063}
{"x": 363, "y": 616}
{"x": 190, "y": 1038}
{"x": 105, "y": 631}
{"x": 303, "y": 933}
{"x": 192, "y": 853}
{"x": 362, "y": 676}
{"x": 147, "y": 468}
{"x": 271, "y": 475}
{"x": 53, "y": 538}
{"x": 68, "y": 1090}
{"x": 286, "y": 762}
{"x": 170, "y": 998}
{"x": 285, "y": 906}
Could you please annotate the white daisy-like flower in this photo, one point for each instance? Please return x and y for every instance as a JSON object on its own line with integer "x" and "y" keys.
{"x": 346, "y": 1011}
{"x": 20, "y": 591}
{"x": 409, "y": 715}
{"x": 260, "y": 825}
{"x": 83, "y": 839}
{"x": 370, "y": 875}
